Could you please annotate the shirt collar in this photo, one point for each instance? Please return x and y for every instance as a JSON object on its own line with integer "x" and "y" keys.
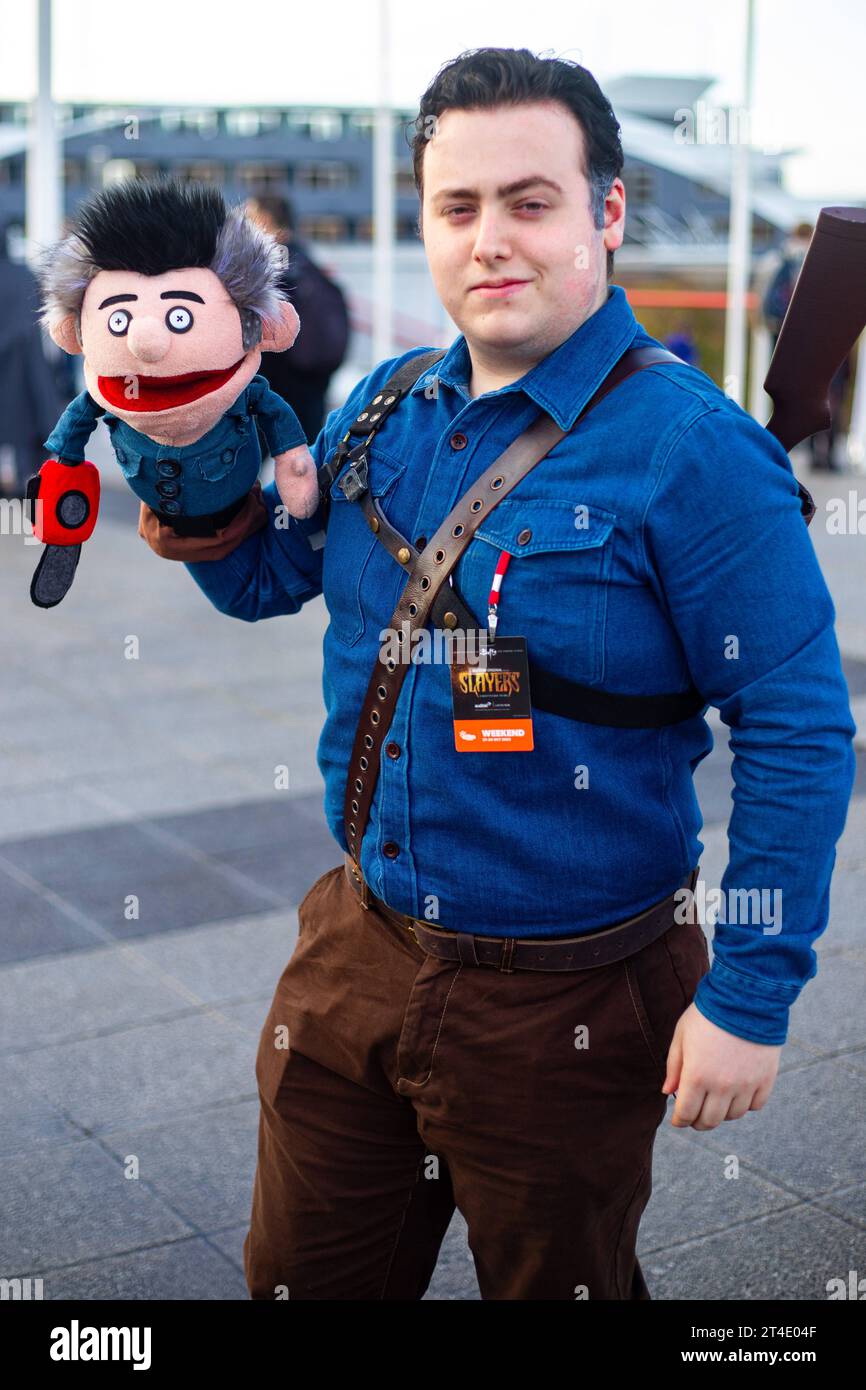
{"x": 564, "y": 381}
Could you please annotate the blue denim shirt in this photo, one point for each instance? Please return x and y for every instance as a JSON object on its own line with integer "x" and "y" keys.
{"x": 214, "y": 471}
{"x": 696, "y": 563}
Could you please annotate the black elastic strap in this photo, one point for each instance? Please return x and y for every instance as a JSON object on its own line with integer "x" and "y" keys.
{"x": 374, "y": 415}
{"x": 556, "y": 695}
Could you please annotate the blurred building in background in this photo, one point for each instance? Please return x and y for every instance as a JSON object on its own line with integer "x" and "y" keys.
{"x": 673, "y": 262}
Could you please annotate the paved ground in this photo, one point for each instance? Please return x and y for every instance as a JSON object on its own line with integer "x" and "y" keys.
{"x": 138, "y": 1037}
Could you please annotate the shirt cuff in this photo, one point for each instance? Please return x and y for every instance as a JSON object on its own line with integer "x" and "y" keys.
{"x": 289, "y": 436}
{"x": 68, "y": 455}
{"x": 749, "y": 1007}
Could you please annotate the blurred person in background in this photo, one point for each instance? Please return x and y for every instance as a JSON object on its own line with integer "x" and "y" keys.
{"x": 777, "y": 275}
{"x": 30, "y": 395}
{"x": 682, "y": 342}
{"x": 302, "y": 374}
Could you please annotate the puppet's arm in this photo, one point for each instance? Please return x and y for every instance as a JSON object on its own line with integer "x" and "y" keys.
{"x": 294, "y": 469}
{"x": 70, "y": 435}
{"x": 63, "y": 500}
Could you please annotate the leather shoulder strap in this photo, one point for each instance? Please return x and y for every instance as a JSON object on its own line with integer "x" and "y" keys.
{"x": 376, "y": 412}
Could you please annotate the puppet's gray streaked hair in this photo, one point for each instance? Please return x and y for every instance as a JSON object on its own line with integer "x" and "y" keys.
{"x": 247, "y": 260}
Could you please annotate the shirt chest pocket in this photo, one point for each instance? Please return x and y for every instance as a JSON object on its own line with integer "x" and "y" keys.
{"x": 217, "y": 463}
{"x": 349, "y": 586}
{"x": 129, "y": 460}
{"x": 555, "y": 589}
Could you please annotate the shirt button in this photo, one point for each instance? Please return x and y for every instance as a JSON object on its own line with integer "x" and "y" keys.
{"x": 459, "y": 441}
{"x": 393, "y": 750}
{"x": 228, "y": 455}
{"x": 524, "y": 537}
{"x": 421, "y": 542}
{"x": 390, "y": 849}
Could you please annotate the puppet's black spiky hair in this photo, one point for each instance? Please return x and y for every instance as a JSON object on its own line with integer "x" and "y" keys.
{"x": 153, "y": 227}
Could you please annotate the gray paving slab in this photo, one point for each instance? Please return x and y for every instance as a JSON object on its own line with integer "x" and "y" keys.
{"x": 828, "y": 1016}
{"x": 231, "y": 1243}
{"x": 698, "y": 1191}
{"x": 781, "y": 1256}
{"x": 91, "y": 992}
{"x": 149, "y": 1072}
{"x": 191, "y": 1270}
{"x": 78, "y": 1205}
{"x": 203, "y": 1164}
{"x": 30, "y": 1123}
{"x": 177, "y": 872}
{"x": 33, "y": 924}
{"x": 219, "y": 962}
{"x": 808, "y": 1137}
{"x": 454, "y": 1278}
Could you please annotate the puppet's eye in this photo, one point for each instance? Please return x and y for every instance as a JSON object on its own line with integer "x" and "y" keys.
{"x": 179, "y": 320}
{"x": 119, "y": 321}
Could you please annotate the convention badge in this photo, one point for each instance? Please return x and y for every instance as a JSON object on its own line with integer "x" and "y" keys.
{"x": 492, "y": 708}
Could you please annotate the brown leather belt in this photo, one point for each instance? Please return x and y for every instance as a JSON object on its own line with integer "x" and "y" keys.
{"x": 509, "y": 953}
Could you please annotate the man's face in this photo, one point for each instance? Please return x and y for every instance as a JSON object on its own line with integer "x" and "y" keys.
{"x": 505, "y": 199}
{"x": 164, "y": 352}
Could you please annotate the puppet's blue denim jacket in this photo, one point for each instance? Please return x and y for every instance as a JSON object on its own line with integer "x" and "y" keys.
{"x": 201, "y": 477}
{"x": 695, "y": 565}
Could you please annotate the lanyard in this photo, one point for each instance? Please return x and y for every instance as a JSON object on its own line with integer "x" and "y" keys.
{"x": 493, "y": 601}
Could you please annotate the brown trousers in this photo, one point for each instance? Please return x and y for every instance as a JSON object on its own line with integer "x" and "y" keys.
{"x": 394, "y": 1086}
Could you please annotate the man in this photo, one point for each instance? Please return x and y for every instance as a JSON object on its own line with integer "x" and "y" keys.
{"x": 395, "y": 1083}
{"x": 301, "y": 376}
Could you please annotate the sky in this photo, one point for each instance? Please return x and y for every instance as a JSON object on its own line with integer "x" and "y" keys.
{"x": 809, "y": 68}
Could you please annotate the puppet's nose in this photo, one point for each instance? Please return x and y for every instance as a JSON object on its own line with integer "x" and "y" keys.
{"x": 148, "y": 339}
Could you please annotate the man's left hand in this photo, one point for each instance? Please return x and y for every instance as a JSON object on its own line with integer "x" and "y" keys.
{"x": 716, "y": 1075}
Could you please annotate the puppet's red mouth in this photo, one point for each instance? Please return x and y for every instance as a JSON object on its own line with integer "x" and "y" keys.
{"x": 137, "y": 392}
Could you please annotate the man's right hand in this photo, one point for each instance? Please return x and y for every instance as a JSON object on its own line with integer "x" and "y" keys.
{"x": 165, "y": 541}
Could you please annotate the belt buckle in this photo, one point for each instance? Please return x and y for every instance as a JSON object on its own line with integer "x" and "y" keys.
{"x": 364, "y": 895}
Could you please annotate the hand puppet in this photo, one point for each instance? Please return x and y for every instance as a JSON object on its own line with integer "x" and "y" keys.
{"x": 171, "y": 297}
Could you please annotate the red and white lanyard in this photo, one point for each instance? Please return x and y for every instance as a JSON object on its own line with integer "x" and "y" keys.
{"x": 493, "y": 601}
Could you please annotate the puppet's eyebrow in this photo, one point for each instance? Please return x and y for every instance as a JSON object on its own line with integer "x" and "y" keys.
{"x": 117, "y": 299}
{"x": 181, "y": 294}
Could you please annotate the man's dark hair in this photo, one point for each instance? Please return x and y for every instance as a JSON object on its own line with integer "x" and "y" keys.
{"x": 488, "y": 77}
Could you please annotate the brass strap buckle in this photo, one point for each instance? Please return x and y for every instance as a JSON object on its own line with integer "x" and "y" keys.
{"x": 364, "y": 896}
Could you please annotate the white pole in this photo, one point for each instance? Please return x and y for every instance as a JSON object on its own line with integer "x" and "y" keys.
{"x": 760, "y": 404}
{"x": 43, "y": 181}
{"x": 740, "y": 235}
{"x": 383, "y": 199}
